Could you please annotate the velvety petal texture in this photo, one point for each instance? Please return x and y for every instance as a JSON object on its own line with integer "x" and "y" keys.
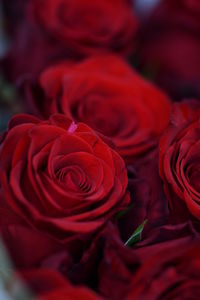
{"x": 99, "y": 166}
{"x": 179, "y": 161}
{"x": 148, "y": 200}
{"x": 171, "y": 271}
{"x": 105, "y": 93}
{"x": 45, "y": 284}
{"x": 86, "y": 26}
{"x": 59, "y": 176}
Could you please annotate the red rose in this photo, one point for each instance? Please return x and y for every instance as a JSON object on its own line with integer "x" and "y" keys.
{"x": 46, "y": 284}
{"x": 59, "y": 177}
{"x": 86, "y": 26}
{"x": 179, "y": 161}
{"x": 105, "y": 266}
{"x": 102, "y": 263}
{"x": 105, "y": 93}
{"x": 109, "y": 267}
{"x": 170, "y": 47}
{"x": 171, "y": 270}
{"x": 122, "y": 269}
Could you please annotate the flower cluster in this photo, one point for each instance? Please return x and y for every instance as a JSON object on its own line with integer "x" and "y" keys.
{"x": 100, "y": 169}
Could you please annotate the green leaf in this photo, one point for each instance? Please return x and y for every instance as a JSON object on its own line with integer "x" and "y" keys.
{"x": 136, "y": 236}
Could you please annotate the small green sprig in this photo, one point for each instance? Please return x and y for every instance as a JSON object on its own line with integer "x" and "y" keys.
{"x": 136, "y": 236}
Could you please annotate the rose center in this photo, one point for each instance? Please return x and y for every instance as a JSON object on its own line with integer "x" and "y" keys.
{"x": 74, "y": 179}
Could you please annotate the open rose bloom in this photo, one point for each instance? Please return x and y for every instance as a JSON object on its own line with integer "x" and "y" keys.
{"x": 99, "y": 150}
{"x": 66, "y": 182}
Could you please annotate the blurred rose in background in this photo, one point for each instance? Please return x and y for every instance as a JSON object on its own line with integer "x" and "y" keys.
{"x": 169, "y": 47}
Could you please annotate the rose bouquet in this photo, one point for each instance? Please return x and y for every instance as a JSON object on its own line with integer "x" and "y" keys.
{"x": 99, "y": 163}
